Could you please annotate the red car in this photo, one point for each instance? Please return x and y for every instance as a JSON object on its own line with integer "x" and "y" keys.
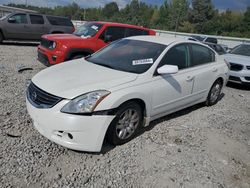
{"x": 87, "y": 39}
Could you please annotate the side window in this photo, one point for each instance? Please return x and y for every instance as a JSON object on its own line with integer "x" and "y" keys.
{"x": 201, "y": 55}
{"x": 36, "y": 19}
{"x": 18, "y": 19}
{"x": 114, "y": 32}
{"x": 136, "y": 32}
{"x": 177, "y": 55}
{"x": 53, "y": 20}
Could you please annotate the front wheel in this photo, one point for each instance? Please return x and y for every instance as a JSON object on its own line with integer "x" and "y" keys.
{"x": 126, "y": 124}
{"x": 214, "y": 93}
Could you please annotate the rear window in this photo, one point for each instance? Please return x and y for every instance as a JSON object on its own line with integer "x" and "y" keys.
{"x": 59, "y": 21}
{"x": 212, "y": 40}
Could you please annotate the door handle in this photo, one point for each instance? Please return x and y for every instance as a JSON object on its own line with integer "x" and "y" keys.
{"x": 189, "y": 78}
{"x": 214, "y": 69}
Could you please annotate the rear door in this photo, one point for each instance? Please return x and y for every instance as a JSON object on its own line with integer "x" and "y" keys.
{"x": 37, "y": 26}
{"x": 204, "y": 67}
{"x": 17, "y": 27}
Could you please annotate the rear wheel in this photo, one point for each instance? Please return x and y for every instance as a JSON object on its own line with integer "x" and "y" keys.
{"x": 214, "y": 93}
{"x": 126, "y": 124}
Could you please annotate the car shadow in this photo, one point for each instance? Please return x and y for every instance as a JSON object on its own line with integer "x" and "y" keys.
{"x": 18, "y": 43}
{"x": 108, "y": 147}
{"x": 238, "y": 86}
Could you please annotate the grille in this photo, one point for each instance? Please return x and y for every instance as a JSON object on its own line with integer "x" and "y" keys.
{"x": 235, "y": 67}
{"x": 43, "y": 59}
{"x": 248, "y": 67}
{"x": 40, "y": 98}
{"x": 46, "y": 43}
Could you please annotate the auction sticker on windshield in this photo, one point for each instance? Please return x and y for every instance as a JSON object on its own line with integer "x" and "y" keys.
{"x": 94, "y": 27}
{"x": 143, "y": 61}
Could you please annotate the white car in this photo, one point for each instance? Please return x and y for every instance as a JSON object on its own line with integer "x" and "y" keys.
{"x": 239, "y": 60}
{"x": 121, "y": 88}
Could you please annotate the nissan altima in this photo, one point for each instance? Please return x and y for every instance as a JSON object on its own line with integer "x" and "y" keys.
{"x": 121, "y": 88}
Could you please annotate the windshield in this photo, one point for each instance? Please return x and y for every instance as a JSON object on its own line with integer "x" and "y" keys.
{"x": 88, "y": 29}
{"x": 241, "y": 50}
{"x": 128, "y": 55}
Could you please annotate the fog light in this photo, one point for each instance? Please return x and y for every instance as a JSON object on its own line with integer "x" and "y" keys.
{"x": 54, "y": 57}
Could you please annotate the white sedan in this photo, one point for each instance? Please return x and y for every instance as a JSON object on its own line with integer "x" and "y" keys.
{"x": 239, "y": 59}
{"x": 121, "y": 88}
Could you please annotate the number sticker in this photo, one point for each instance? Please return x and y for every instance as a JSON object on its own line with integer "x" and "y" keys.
{"x": 94, "y": 27}
{"x": 143, "y": 61}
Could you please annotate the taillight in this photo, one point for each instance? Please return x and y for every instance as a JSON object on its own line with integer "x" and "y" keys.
{"x": 73, "y": 29}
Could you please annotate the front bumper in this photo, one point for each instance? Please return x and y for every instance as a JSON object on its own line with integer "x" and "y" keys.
{"x": 78, "y": 132}
{"x": 49, "y": 57}
{"x": 240, "y": 77}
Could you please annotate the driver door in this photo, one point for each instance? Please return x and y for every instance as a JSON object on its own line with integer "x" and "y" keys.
{"x": 110, "y": 34}
{"x": 173, "y": 91}
{"x": 17, "y": 27}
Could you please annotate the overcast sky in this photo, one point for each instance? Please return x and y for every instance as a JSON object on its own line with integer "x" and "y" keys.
{"x": 219, "y": 4}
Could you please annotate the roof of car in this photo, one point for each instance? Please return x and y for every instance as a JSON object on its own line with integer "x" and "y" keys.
{"x": 119, "y": 24}
{"x": 160, "y": 40}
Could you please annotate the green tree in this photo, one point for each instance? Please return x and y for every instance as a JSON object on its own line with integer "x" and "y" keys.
{"x": 178, "y": 13}
{"x": 110, "y": 9}
{"x": 164, "y": 12}
{"x": 202, "y": 11}
{"x": 246, "y": 20}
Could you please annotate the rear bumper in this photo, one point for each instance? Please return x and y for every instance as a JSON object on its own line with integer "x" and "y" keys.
{"x": 78, "y": 132}
{"x": 49, "y": 57}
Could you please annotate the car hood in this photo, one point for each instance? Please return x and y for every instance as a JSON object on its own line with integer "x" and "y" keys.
{"x": 77, "y": 77}
{"x": 61, "y": 37}
{"x": 240, "y": 59}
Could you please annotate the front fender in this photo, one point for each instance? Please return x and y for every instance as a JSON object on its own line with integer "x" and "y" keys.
{"x": 116, "y": 98}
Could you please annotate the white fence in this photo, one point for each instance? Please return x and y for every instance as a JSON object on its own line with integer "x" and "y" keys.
{"x": 229, "y": 41}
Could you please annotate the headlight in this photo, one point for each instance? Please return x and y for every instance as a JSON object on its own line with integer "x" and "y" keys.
{"x": 52, "y": 45}
{"x": 85, "y": 103}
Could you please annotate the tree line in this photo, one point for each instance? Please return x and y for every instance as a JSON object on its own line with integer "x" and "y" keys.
{"x": 173, "y": 15}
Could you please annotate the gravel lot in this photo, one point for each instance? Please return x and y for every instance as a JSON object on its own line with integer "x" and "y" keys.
{"x": 197, "y": 147}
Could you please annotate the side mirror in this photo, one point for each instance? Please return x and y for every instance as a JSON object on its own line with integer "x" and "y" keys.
{"x": 168, "y": 69}
{"x": 12, "y": 20}
{"x": 108, "y": 38}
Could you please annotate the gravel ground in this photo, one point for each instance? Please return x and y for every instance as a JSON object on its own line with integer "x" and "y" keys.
{"x": 197, "y": 147}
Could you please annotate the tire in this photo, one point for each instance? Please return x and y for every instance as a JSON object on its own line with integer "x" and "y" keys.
{"x": 1, "y": 37}
{"x": 214, "y": 93}
{"x": 126, "y": 124}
